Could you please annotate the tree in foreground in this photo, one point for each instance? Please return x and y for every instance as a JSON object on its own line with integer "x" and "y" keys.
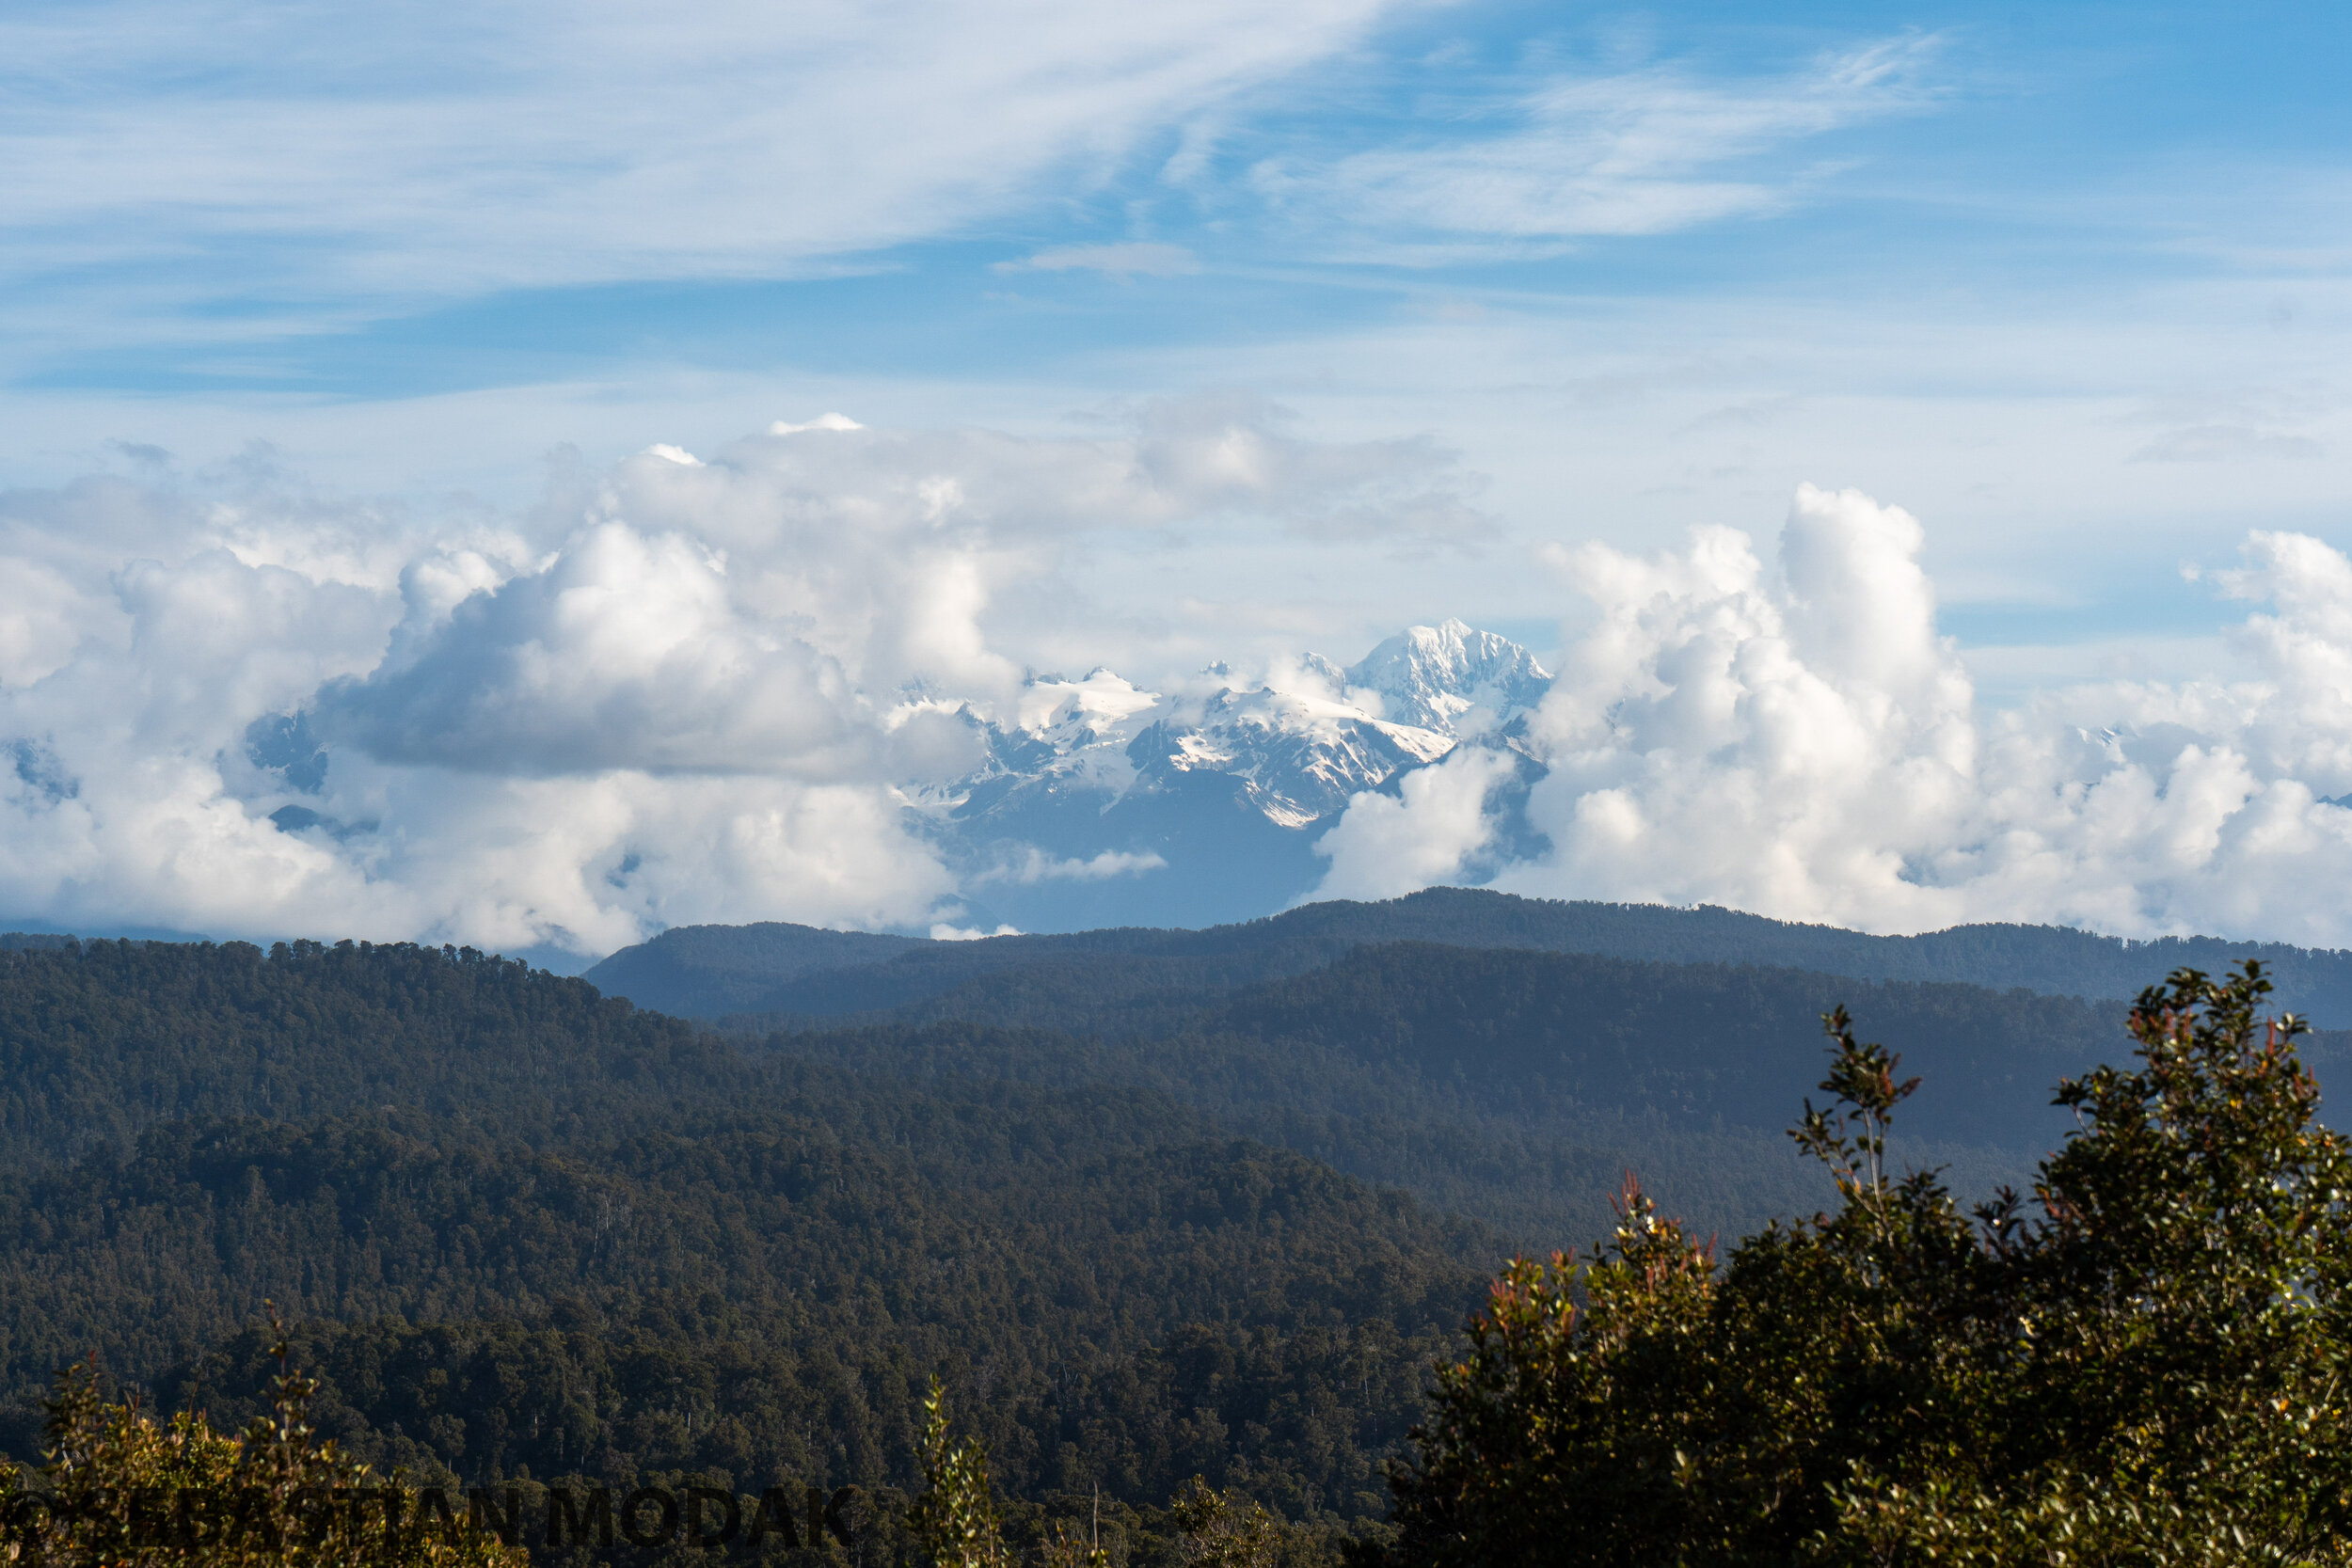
{"x": 2146, "y": 1363}
{"x": 117, "y": 1488}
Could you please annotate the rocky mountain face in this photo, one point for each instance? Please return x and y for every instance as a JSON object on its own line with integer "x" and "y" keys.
{"x": 1103, "y": 804}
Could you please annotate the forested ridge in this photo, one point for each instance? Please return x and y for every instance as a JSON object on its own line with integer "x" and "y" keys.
{"x": 1708, "y": 1042}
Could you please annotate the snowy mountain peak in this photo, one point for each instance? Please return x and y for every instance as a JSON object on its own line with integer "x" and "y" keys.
{"x": 1099, "y": 799}
{"x": 1450, "y": 677}
{"x": 1070, "y": 712}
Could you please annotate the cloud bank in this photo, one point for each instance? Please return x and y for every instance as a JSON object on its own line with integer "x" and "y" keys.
{"x": 695, "y": 689}
{"x": 682, "y": 690}
{"x": 1799, "y": 741}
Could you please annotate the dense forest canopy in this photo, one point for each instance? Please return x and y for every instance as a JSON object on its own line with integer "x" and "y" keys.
{"x": 526, "y": 1230}
{"x": 1152, "y": 1214}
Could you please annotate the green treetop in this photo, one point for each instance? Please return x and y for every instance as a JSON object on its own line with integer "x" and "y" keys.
{"x": 2145, "y": 1363}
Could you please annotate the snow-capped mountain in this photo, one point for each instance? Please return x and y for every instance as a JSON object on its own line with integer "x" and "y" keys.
{"x": 1297, "y": 757}
{"x": 1102, "y": 804}
{"x": 1450, "y": 678}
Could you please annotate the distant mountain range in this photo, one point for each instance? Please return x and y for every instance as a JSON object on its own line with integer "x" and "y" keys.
{"x": 1101, "y": 803}
{"x": 801, "y": 973}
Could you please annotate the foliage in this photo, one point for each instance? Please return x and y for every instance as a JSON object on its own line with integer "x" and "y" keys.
{"x": 1224, "y": 1530}
{"x": 956, "y": 1518}
{"x": 770, "y": 1306}
{"x": 122, "y": 1489}
{"x": 2148, "y": 1368}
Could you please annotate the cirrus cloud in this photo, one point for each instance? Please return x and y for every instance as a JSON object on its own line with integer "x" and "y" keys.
{"x": 1644, "y": 151}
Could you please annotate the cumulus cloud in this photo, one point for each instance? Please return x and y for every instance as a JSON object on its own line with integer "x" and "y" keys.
{"x": 692, "y": 687}
{"x": 628, "y": 650}
{"x": 1799, "y": 741}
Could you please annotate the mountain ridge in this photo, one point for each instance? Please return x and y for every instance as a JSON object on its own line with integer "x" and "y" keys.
{"x": 686, "y": 971}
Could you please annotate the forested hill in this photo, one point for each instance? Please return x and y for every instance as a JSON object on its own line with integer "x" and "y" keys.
{"x": 100, "y": 1039}
{"x": 530, "y": 1230}
{"x": 711, "y": 970}
{"x": 1510, "y": 1084}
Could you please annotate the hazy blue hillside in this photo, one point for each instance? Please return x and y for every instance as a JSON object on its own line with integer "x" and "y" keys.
{"x": 711, "y": 970}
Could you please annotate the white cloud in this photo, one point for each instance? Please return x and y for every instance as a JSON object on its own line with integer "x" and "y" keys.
{"x": 38, "y": 632}
{"x": 628, "y": 650}
{"x": 943, "y": 931}
{"x": 1802, "y": 742}
{"x": 1802, "y": 739}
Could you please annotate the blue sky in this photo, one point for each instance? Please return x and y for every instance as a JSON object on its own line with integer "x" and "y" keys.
{"x": 1183, "y": 333}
